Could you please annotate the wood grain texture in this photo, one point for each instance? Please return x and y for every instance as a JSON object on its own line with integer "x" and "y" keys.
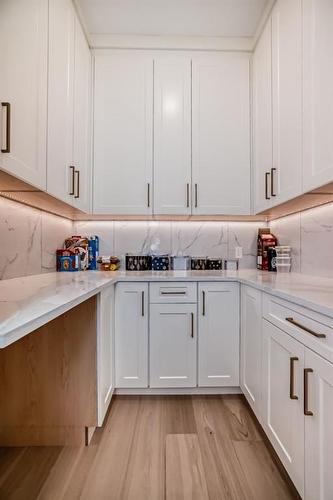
{"x": 134, "y": 456}
{"x": 48, "y": 382}
{"x": 185, "y": 476}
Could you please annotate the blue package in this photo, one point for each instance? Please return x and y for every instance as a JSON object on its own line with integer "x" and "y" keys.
{"x": 93, "y": 252}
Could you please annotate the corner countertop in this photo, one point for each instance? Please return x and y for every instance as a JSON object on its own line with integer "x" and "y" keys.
{"x": 30, "y": 302}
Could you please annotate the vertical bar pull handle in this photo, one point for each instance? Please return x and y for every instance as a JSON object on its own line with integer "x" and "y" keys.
{"x": 142, "y": 303}
{"x": 307, "y": 412}
{"x": 273, "y": 170}
{"x": 203, "y": 303}
{"x": 192, "y": 325}
{"x": 196, "y": 195}
{"x": 187, "y": 195}
{"x": 267, "y": 174}
{"x": 148, "y": 194}
{"x": 292, "y": 378}
{"x": 6, "y": 106}
{"x": 77, "y": 174}
{"x": 72, "y": 169}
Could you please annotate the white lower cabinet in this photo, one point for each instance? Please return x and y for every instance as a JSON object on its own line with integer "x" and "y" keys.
{"x": 283, "y": 364}
{"x": 173, "y": 345}
{"x": 251, "y": 340}
{"x": 318, "y": 428}
{"x": 218, "y": 326}
{"x": 131, "y": 335}
{"x": 105, "y": 351}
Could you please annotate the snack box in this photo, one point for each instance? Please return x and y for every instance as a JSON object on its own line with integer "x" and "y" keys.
{"x": 93, "y": 251}
{"x": 67, "y": 261}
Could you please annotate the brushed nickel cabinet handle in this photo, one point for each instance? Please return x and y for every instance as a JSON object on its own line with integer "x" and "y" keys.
{"x": 187, "y": 195}
{"x": 273, "y": 170}
{"x": 292, "y": 378}
{"x": 173, "y": 293}
{"x": 307, "y": 412}
{"x": 142, "y": 303}
{"x": 77, "y": 184}
{"x": 72, "y": 168}
{"x": 148, "y": 195}
{"x": 306, "y": 329}
{"x": 196, "y": 195}
{"x": 267, "y": 174}
{"x": 203, "y": 303}
{"x": 192, "y": 325}
{"x": 6, "y": 106}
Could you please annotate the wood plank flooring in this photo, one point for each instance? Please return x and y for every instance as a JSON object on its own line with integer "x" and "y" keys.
{"x": 155, "y": 448}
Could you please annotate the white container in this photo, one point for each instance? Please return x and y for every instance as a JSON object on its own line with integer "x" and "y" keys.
{"x": 180, "y": 263}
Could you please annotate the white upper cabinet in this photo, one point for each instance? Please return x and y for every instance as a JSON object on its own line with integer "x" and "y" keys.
{"x": 287, "y": 100}
{"x": 318, "y": 95}
{"x": 23, "y": 89}
{"x": 123, "y": 133}
{"x": 172, "y": 135}
{"x": 68, "y": 158}
{"x": 221, "y": 134}
{"x": 218, "y": 326}
{"x": 262, "y": 119}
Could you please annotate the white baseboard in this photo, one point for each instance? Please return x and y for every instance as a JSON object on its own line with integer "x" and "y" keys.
{"x": 179, "y": 391}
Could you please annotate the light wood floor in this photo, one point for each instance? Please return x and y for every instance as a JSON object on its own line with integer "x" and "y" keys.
{"x": 154, "y": 448}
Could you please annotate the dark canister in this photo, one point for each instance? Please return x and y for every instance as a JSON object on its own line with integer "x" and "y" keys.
{"x": 271, "y": 256}
{"x": 214, "y": 264}
{"x": 137, "y": 262}
{"x": 160, "y": 263}
{"x": 198, "y": 263}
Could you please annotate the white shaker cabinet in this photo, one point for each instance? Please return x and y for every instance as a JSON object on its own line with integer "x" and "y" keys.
{"x": 131, "y": 335}
{"x": 218, "y": 342}
{"x": 221, "y": 134}
{"x": 318, "y": 427}
{"x": 262, "y": 119}
{"x": 251, "y": 346}
{"x": 23, "y": 89}
{"x": 123, "y": 133}
{"x": 68, "y": 158}
{"x": 282, "y": 417}
{"x": 173, "y": 345}
{"x": 172, "y": 134}
{"x": 317, "y": 96}
{"x": 105, "y": 351}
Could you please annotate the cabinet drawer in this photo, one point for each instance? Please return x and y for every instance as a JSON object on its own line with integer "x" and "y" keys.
{"x": 312, "y": 329}
{"x": 173, "y": 292}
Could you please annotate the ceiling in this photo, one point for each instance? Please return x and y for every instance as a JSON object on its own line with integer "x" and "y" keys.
{"x": 205, "y": 18}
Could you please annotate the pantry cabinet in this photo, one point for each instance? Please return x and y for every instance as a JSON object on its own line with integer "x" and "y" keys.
{"x": 23, "y": 89}
{"x": 283, "y": 364}
{"x": 105, "y": 351}
{"x": 172, "y": 135}
{"x": 131, "y": 335}
{"x": 317, "y": 97}
{"x": 218, "y": 342}
{"x": 69, "y": 142}
{"x": 251, "y": 346}
{"x": 173, "y": 345}
{"x": 221, "y": 168}
{"x": 123, "y": 133}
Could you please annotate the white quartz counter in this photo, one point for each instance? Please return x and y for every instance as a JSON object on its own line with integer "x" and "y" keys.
{"x": 30, "y": 302}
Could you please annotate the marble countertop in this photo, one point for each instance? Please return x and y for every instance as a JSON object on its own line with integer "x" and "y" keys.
{"x": 30, "y": 302}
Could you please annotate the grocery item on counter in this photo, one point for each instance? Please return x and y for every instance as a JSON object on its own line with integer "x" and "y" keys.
{"x": 87, "y": 248}
{"x": 265, "y": 240}
{"x": 67, "y": 260}
{"x": 283, "y": 259}
{"x": 198, "y": 263}
{"x": 106, "y": 263}
{"x": 160, "y": 262}
{"x": 137, "y": 262}
{"x": 214, "y": 264}
{"x": 231, "y": 265}
{"x": 93, "y": 252}
{"x": 272, "y": 259}
{"x": 180, "y": 263}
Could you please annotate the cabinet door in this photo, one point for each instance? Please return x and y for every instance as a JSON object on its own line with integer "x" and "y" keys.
{"x": 23, "y": 85}
{"x": 319, "y": 429}
{"x": 283, "y": 421}
{"x": 131, "y": 335}
{"x": 262, "y": 119}
{"x": 218, "y": 334}
{"x": 287, "y": 100}
{"x": 221, "y": 134}
{"x": 105, "y": 351}
{"x": 60, "y": 161}
{"x": 123, "y": 133}
{"x": 251, "y": 345}
{"x": 173, "y": 345}
{"x": 82, "y": 115}
{"x": 318, "y": 96}
{"x": 172, "y": 135}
